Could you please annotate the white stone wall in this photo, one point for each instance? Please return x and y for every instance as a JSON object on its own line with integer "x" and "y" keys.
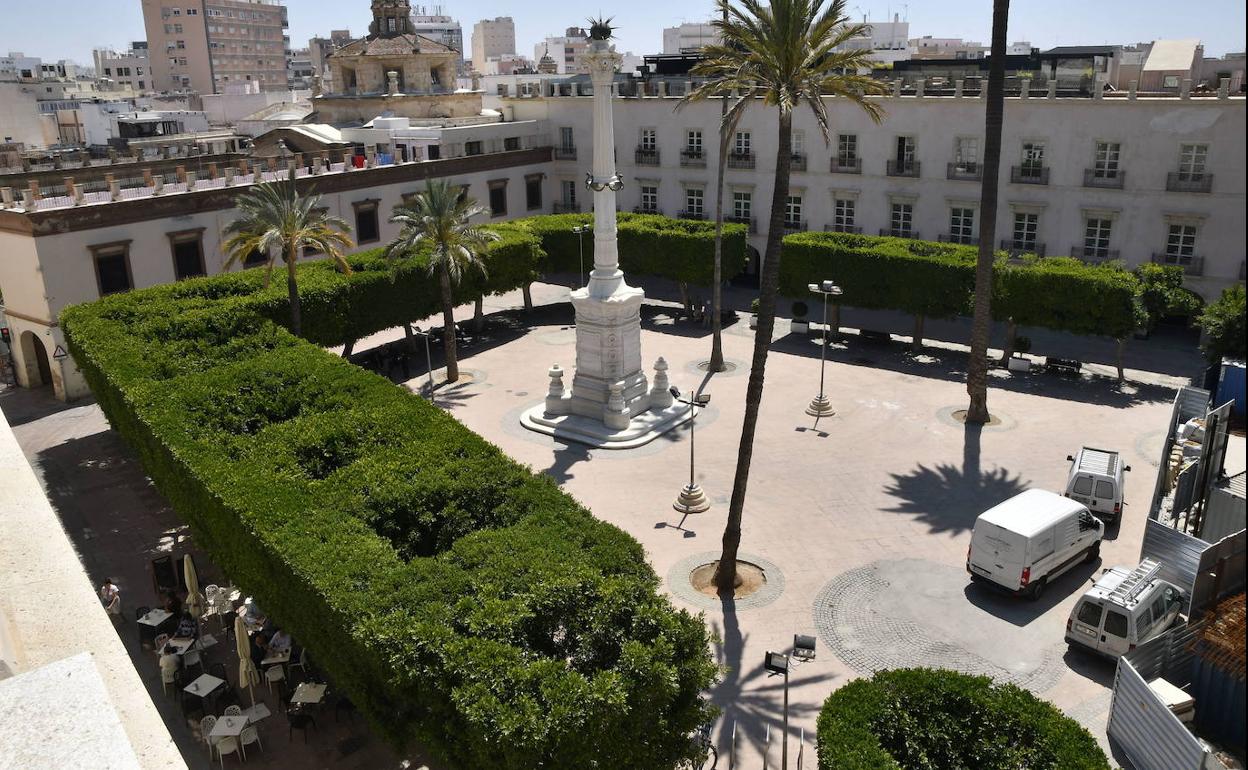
{"x": 1150, "y": 132}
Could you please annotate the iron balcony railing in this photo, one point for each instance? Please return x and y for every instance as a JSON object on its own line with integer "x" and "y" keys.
{"x": 967, "y": 172}
{"x": 749, "y": 222}
{"x": 1022, "y": 247}
{"x": 1177, "y": 181}
{"x": 1192, "y": 265}
{"x": 896, "y": 167}
{"x": 798, "y": 162}
{"x": 962, "y": 239}
{"x": 565, "y": 153}
{"x": 1111, "y": 178}
{"x": 564, "y": 207}
{"x": 690, "y": 215}
{"x": 740, "y": 160}
{"x": 842, "y": 229}
{"x": 898, "y": 232}
{"x": 1094, "y": 256}
{"x": 647, "y": 156}
{"x": 794, "y": 225}
{"x": 846, "y": 165}
{"x": 647, "y": 210}
{"x": 692, "y": 157}
{"x": 1029, "y": 174}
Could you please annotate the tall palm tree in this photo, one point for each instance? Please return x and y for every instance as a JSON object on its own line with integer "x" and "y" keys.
{"x": 784, "y": 54}
{"x": 277, "y": 221}
{"x": 439, "y": 219}
{"x": 981, "y": 320}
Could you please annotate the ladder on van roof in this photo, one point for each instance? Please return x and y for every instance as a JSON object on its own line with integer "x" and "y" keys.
{"x": 1137, "y": 581}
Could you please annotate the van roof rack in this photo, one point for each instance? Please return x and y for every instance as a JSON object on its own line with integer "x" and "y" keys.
{"x": 1137, "y": 581}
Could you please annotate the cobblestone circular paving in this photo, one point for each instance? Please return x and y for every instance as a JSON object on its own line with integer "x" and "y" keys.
{"x": 678, "y": 581}
{"x": 912, "y": 612}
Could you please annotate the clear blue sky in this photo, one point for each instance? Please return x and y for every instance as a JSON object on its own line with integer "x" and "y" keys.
{"x": 55, "y": 29}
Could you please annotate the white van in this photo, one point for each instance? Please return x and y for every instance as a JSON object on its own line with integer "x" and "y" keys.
{"x": 1095, "y": 480}
{"x": 1030, "y": 539}
{"x": 1126, "y": 607}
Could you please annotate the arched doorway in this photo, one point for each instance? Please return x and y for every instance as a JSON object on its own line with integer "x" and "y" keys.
{"x": 35, "y": 364}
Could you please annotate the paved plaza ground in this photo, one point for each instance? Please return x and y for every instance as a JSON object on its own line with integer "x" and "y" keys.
{"x": 862, "y": 521}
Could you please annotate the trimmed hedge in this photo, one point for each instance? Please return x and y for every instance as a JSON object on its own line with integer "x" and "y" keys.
{"x": 459, "y": 599}
{"x": 932, "y": 719}
{"x": 680, "y": 250}
{"x": 937, "y": 280}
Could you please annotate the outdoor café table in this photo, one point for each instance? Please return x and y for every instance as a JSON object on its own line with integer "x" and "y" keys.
{"x": 228, "y": 726}
{"x": 308, "y": 692}
{"x": 205, "y": 685}
{"x": 256, "y": 712}
{"x": 275, "y": 658}
{"x": 155, "y": 618}
{"x": 179, "y": 645}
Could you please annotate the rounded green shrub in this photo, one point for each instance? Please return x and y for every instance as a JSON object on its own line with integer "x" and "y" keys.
{"x": 936, "y": 719}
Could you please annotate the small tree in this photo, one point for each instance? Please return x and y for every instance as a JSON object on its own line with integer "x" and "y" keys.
{"x": 440, "y": 219}
{"x": 277, "y": 222}
{"x": 1161, "y": 294}
{"x": 1223, "y": 325}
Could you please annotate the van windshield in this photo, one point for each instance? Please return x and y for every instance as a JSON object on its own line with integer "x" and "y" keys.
{"x": 1104, "y": 490}
{"x": 1083, "y": 486}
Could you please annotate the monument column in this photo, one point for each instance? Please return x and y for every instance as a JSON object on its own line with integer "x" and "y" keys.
{"x": 606, "y": 276}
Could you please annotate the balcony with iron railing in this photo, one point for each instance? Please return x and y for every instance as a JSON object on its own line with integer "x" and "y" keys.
{"x": 1109, "y": 178}
{"x": 896, "y": 167}
{"x": 1022, "y": 247}
{"x": 795, "y": 225}
{"x": 647, "y": 156}
{"x": 566, "y": 207}
{"x": 965, "y": 240}
{"x": 1192, "y": 265}
{"x": 1029, "y": 174}
{"x": 693, "y": 157}
{"x": 797, "y": 162}
{"x": 740, "y": 160}
{"x": 1093, "y": 256}
{"x": 966, "y": 172}
{"x": 846, "y": 165}
{"x": 842, "y": 229}
{"x": 698, "y": 215}
{"x": 1178, "y": 181}
{"x": 898, "y": 232}
{"x": 565, "y": 153}
{"x": 647, "y": 210}
{"x": 749, "y": 222}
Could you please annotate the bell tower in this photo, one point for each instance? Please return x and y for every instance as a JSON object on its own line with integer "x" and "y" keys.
{"x": 391, "y": 18}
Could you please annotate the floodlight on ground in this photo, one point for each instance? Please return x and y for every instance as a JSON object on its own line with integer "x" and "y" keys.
{"x": 803, "y": 647}
{"x": 776, "y": 663}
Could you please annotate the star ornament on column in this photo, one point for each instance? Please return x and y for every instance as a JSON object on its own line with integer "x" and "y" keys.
{"x": 616, "y": 183}
{"x": 600, "y": 28}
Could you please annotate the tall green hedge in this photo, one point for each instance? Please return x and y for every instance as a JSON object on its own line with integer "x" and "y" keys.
{"x": 933, "y": 719}
{"x": 938, "y": 280}
{"x": 461, "y": 600}
{"x": 680, "y": 250}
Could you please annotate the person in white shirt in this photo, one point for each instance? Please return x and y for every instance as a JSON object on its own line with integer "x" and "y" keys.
{"x": 111, "y": 596}
{"x": 281, "y": 642}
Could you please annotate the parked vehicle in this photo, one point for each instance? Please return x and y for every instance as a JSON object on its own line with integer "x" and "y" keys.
{"x": 1126, "y": 607}
{"x": 1027, "y": 541}
{"x": 1096, "y": 481}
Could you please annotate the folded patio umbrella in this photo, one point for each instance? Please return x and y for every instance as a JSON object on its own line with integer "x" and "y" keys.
{"x": 247, "y": 675}
{"x": 194, "y": 600}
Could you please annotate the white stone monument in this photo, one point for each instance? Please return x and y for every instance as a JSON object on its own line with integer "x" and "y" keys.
{"x": 610, "y": 404}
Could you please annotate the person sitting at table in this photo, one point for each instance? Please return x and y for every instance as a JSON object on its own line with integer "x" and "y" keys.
{"x": 280, "y": 642}
{"x": 169, "y": 663}
{"x": 111, "y": 596}
{"x": 259, "y": 648}
{"x": 187, "y": 627}
{"x": 172, "y": 604}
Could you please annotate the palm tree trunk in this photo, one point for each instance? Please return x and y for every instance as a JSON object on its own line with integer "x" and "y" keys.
{"x": 981, "y": 321}
{"x": 478, "y": 315}
{"x": 726, "y": 573}
{"x": 1011, "y": 332}
{"x": 526, "y": 291}
{"x": 717, "y": 270}
{"x": 292, "y": 291}
{"x": 448, "y": 327}
{"x": 916, "y": 339}
{"x": 348, "y": 348}
{"x": 685, "y": 302}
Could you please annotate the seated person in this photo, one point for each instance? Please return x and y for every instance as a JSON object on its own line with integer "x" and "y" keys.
{"x": 259, "y": 648}
{"x": 187, "y": 627}
{"x": 169, "y": 663}
{"x": 280, "y": 642}
{"x": 172, "y": 604}
{"x": 111, "y": 596}
{"x": 253, "y": 616}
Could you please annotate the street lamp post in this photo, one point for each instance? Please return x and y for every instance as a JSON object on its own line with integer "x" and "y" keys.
{"x": 428, "y": 357}
{"x": 691, "y": 498}
{"x": 820, "y": 405}
{"x": 580, "y": 231}
{"x": 777, "y": 663}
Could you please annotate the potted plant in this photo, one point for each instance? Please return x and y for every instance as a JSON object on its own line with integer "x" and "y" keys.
{"x": 800, "y": 325}
{"x": 754, "y": 314}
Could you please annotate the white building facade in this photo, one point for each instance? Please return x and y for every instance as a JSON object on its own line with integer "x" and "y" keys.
{"x": 1139, "y": 180}
{"x": 129, "y": 69}
{"x": 688, "y": 37}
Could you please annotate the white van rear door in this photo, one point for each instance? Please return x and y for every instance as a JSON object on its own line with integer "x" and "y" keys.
{"x": 1085, "y": 622}
{"x": 1115, "y": 636}
{"x": 998, "y": 554}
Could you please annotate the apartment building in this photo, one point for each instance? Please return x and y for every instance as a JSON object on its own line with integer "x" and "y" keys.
{"x": 205, "y": 46}
{"x": 688, "y": 37}
{"x": 492, "y": 38}
{"x": 1145, "y": 179}
{"x": 567, "y": 52}
{"x": 128, "y": 69}
{"x": 432, "y": 23}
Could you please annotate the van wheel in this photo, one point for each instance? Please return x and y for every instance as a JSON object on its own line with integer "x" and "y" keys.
{"x": 1037, "y": 589}
{"x": 1093, "y": 554}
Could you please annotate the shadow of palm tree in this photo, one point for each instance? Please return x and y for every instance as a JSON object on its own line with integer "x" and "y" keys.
{"x": 949, "y": 499}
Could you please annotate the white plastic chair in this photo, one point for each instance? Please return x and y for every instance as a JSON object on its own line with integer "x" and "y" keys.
{"x": 302, "y": 663}
{"x": 250, "y": 735}
{"x": 168, "y": 672}
{"x": 229, "y": 745}
{"x": 205, "y": 728}
{"x": 234, "y": 711}
{"x": 274, "y": 674}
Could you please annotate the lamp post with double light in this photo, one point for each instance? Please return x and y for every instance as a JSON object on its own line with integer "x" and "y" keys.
{"x": 428, "y": 357}
{"x": 777, "y": 664}
{"x": 691, "y": 498}
{"x": 820, "y": 405}
{"x": 580, "y": 231}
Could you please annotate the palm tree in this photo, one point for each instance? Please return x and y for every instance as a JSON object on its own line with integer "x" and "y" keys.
{"x": 981, "y": 320}
{"x": 439, "y": 218}
{"x": 277, "y": 222}
{"x": 784, "y": 54}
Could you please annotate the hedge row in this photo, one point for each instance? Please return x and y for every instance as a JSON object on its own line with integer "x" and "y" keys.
{"x": 932, "y": 719}
{"x": 459, "y": 599}
{"x": 937, "y": 280}
{"x": 677, "y": 249}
